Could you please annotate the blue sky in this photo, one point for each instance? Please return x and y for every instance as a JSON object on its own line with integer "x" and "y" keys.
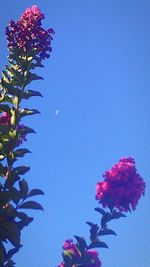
{"x": 98, "y": 78}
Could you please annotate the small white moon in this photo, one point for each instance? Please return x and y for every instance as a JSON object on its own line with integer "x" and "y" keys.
{"x": 57, "y": 111}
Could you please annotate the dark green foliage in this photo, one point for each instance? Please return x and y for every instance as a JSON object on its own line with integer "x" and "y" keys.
{"x": 14, "y": 191}
{"x": 20, "y": 170}
{"x": 106, "y": 232}
{"x": 32, "y": 77}
{"x": 31, "y": 205}
{"x": 35, "y": 192}
{"x": 23, "y": 185}
{"x": 26, "y": 130}
{"x": 96, "y": 231}
{"x": 93, "y": 231}
{"x": 102, "y": 211}
{"x": 81, "y": 244}
{"x": 21, "y": 152}
{"x": 30, "y": 93}
{"x": 26, "y": 112}
{"x": 98, "y": 244}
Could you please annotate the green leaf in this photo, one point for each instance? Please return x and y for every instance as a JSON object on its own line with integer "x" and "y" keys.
{"x": 30, "y": 93}
{"x": 26, "y": 112}
{"x": 21, "y": 215}
{"x": 10, "y": 88}
{"x": 6, "y": 98}
{"x": 117, "y": 215}
{"x": 32, "y": 77}
{"x": 12, "y": 134}
{"x": 8, "y": 144}
{"x": 31, "y": 205}
{"x": 15, "y": 73}
{"x": 110, "y": 216}
{"x": 93, "y": 231}
{"x": 100, "y": 210}
{"x": 24, "y": 219}
{"x": 98, "y": 244}
{"x": 81, "y": 243}
{"x": 13, "y": 233}
{"x": 11, "y": 252}
{"x": 22, "y": 224}
{"x": 14, "y": 177}
{"x": 92, "y": 224}
{"x": 21, "y": 152}
{"x": 106, "y": 232}
{"x": 21, "y": 170}
{"x": 35, "y": 192}
{"x": 15, "y": 194}
{"x": 9, "y": 70}
{"x": 26, "y": 130}
{"x": 23, "y": 188}
{"x": 106, "y": 218}
{"x": 5, "y": 76}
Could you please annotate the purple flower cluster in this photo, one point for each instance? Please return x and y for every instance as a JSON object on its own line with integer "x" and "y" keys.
{"x": 122, "y": 186}
{"x": 27, "y": 34}
{"x": 5, "y": 119}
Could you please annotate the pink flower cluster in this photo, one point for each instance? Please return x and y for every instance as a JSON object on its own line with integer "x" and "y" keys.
{"x": 122, "y": 186}
{"x": 95, "y": 261}
{"x": 92, "y": 255}
{"x": 28, "y": 35}
{"x": 71, "y": 247}
{"x": 5, "y": 119}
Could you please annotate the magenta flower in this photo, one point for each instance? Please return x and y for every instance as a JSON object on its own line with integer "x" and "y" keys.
{"x": 71, "y": 247}
{"x": 122, "y": 186}
{"x": 89, "y": 258}
{"x": 5, "y": 119}
{"x": 95, "y": 261}
{"x": 27, "y": 34}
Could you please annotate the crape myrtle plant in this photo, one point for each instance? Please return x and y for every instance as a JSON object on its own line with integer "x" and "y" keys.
{"x": 29, "y": 44}
{"x": 117, "y": 194}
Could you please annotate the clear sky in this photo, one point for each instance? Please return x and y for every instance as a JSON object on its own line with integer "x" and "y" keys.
{"x": 96, "y": 109}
